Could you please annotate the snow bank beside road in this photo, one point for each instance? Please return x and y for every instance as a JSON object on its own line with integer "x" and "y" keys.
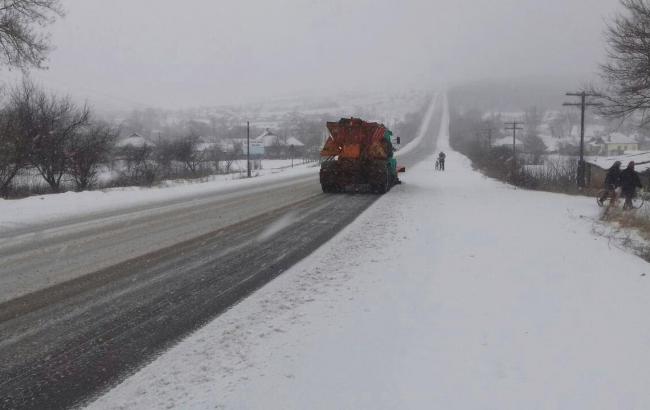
{"x": 453, "y": 291}
{"x": 45, "y": 208}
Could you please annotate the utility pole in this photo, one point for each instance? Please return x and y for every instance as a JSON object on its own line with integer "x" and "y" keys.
{"x": 248, "y": 148}
{"x": 514, "y": 127}
{"x": 583, "y": 104}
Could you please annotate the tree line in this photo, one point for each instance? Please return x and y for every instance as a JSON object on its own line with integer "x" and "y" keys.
{"x": 182, "y": 157}
{"x": 68, "y": 147}
{"x": 51, "y": 134}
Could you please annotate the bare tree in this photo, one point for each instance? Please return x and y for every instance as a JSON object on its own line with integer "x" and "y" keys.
{"x": 216, "y": 155}
{"x": 14, "y": 149}
{"x": 18, "y": 131}
{"x": 187, "y": 153}
{"x": 9, "y": 165}
{"x": 36, "y": 128}
{"x": 88, "y": 149}
{"x": 164, "y": 154}
{"x": 230, "y": 156}
{"x": 57, "y": 121}
{"x": 627, "y": 71}
{"x": 22, "y": 43}
{"x": 140, "y": 166}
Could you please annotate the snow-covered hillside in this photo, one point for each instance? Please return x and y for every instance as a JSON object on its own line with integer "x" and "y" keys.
{"x": 453, "y": 291}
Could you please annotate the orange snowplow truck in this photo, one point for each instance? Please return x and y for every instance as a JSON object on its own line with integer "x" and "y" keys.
{"x": 358, "y": 156}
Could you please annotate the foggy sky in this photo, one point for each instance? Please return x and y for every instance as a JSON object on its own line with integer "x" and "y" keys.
{"x": 170, "y": 53}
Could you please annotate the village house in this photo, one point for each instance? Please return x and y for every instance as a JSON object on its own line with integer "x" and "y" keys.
{"x": 126, "y": 147}
{"x": 134, "y": 140}
{"x": 507, "y": 142}
{"x": 279, "y": 147}
{"x": 617, "y": 143}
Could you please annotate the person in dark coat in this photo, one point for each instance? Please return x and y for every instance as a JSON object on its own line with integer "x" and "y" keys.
{"x": 441, "y": 160}
{"x": 630, "y": 181}
{"x": 612, "y": 181}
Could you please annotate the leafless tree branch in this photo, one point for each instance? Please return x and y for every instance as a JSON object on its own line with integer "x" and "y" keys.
{"x": 23, "y": 44}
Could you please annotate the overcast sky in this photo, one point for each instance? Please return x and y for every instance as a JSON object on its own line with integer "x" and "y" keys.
{"x": 170, "y": 53}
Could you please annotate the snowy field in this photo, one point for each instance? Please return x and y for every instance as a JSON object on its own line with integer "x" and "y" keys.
{"x": 453, "y": 291}
{"x": 45, "y": 208}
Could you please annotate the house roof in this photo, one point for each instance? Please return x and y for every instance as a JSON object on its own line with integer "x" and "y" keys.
{"x": 134, "y": 140}
{"x": 640, "y": 158}
{"x": 269, "y": 139}
{"x": 295, "y": 142}
{"x": 506, "y": 141}
{"x": 619, "y": 138}
{"x": 204, "y": 146}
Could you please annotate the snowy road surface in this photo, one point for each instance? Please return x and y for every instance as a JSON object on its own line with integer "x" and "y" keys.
{"x": 87, "y": 300}
{"x": 452, "y": 291}
{"x": 57, "y": 252}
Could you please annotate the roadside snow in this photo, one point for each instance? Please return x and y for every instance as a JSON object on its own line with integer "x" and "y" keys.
{"x": 453, "y": 291}
{"x": 45, "y": 208}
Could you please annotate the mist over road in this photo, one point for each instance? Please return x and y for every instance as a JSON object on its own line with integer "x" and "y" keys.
{"x": 85, "y": 302}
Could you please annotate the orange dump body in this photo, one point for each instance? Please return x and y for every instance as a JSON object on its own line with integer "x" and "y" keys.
{"x": 353, "y": 138}
{"x": 358, "y": 157}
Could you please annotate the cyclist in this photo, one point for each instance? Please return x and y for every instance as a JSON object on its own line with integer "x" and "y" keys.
{"x": 630, "y": 181}
{"x": 441, "y": 160}
{"x": 612, "y": 181}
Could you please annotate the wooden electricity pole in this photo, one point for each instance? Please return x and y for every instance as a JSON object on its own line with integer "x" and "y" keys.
{"x": 583, "y": 104}
{"x": 514, "y": 127}
{"x": 248, "y": 149}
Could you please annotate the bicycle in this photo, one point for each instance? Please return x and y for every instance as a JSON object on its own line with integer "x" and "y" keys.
{"x": 612, "y": 199}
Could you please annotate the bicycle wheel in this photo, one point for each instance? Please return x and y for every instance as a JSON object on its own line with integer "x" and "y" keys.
{"x": 638, "y": 201}
{"x": 601, "y": 194}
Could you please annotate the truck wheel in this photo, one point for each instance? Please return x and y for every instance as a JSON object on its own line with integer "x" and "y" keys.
{"x": 384, "y": 185}
{"x": 330, "y": 188}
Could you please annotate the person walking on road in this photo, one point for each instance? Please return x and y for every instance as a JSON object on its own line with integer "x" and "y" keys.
{"x": 630, "y": 181}
{"x": 612, "y": 181}
{"x": 441, "y": 161}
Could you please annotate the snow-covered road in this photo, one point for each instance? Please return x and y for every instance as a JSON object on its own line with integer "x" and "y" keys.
{"x": 453, "y": 291}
